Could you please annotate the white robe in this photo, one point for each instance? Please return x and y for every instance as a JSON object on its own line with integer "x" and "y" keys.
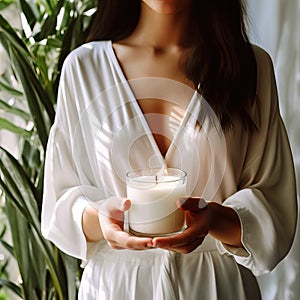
{"x": 100, "y": 133}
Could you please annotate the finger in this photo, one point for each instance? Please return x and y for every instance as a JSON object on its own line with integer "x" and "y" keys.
{"x": 187, "y": 248}
{"x": 177, "y": 240}
{"x": 191, "y": 203}
{"x": 138, "y": 243}
{"x": 114, "y": 246}
{"x": 122, "y": 240}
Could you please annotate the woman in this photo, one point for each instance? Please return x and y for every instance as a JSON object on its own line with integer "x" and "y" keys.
{"x": 133, "y": 97}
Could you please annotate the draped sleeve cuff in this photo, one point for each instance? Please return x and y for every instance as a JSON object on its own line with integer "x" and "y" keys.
{"x": 261, "y": 247}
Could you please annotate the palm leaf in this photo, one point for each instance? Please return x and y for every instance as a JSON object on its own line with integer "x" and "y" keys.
{"x": 32, "y": 165}
{"x": 20, "y": 187}
{"x": 12, "y": 286}
{"x": 35, "y": 97}
{"x": 10, "y": 90}
{"x": 8, "y": 247}
{"x": 5, "y": 28}
{"x": 48, "y": 27}
{"x": 5, "y": 124}
{"x": 71, "y": 271}
{"x": 21, "y": 240}
{"x": 14, "y": 111}
{"x": 28, "y": 13}
{"x": 5, "y": 3}
{"x": 20, "y": 193}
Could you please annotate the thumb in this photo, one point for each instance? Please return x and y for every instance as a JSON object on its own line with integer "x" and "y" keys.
{"x": 119, "y": 203}
{"x": 114, "y": 207}
{"x": 191, "y": 203}
{"x": 124, "y": 204}
{"x": 114, "y": 204}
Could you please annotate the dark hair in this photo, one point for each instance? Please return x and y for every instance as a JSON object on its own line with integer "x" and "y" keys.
{"x": 221, "y": 64}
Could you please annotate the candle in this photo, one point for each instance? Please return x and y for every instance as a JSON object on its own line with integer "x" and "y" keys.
{"x": 153, "y": 195}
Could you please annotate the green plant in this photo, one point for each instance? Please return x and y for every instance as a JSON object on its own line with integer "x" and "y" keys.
{"x": 3, "y": 264}
{"x": 50, "y": 30}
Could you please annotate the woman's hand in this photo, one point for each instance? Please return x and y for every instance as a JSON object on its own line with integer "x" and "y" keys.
{"x": 111, "y": 218}
{"x": 202, "y": 218}
{"x": 198, "y": 220}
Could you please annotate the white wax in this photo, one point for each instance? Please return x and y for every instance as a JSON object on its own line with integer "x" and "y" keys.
{"x": 154, "y": 210}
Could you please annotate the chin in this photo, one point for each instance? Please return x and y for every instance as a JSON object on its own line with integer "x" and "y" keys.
{"x": 168, "y": 7}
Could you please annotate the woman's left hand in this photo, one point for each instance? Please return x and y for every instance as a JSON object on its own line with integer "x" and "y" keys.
{"x": 198, "y": 222}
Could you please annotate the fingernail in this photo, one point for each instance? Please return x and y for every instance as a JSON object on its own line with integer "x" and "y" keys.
{"x": 202, "y": 203}
{"x": 123, "y": 203}
{"x": 181, "y": 201}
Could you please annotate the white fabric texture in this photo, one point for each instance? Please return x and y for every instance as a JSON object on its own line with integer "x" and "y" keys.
{"x": 100, "y": 133}
{"x": 275, "y": 25}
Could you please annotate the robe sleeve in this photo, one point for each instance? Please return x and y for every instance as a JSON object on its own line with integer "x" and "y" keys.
{"x": 266, "y": 200}
{"x": 65, "y": 197}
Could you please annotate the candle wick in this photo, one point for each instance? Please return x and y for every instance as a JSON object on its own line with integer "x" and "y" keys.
{"x": 156, "y": 179}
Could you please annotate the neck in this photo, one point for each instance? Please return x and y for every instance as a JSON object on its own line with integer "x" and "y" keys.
{"x": 162, "y": 31}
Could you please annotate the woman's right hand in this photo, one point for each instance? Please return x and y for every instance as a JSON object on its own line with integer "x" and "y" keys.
{"x": 111, "y": 218}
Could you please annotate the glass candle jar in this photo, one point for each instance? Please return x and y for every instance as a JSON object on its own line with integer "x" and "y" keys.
{"x": 153, "y": 194}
